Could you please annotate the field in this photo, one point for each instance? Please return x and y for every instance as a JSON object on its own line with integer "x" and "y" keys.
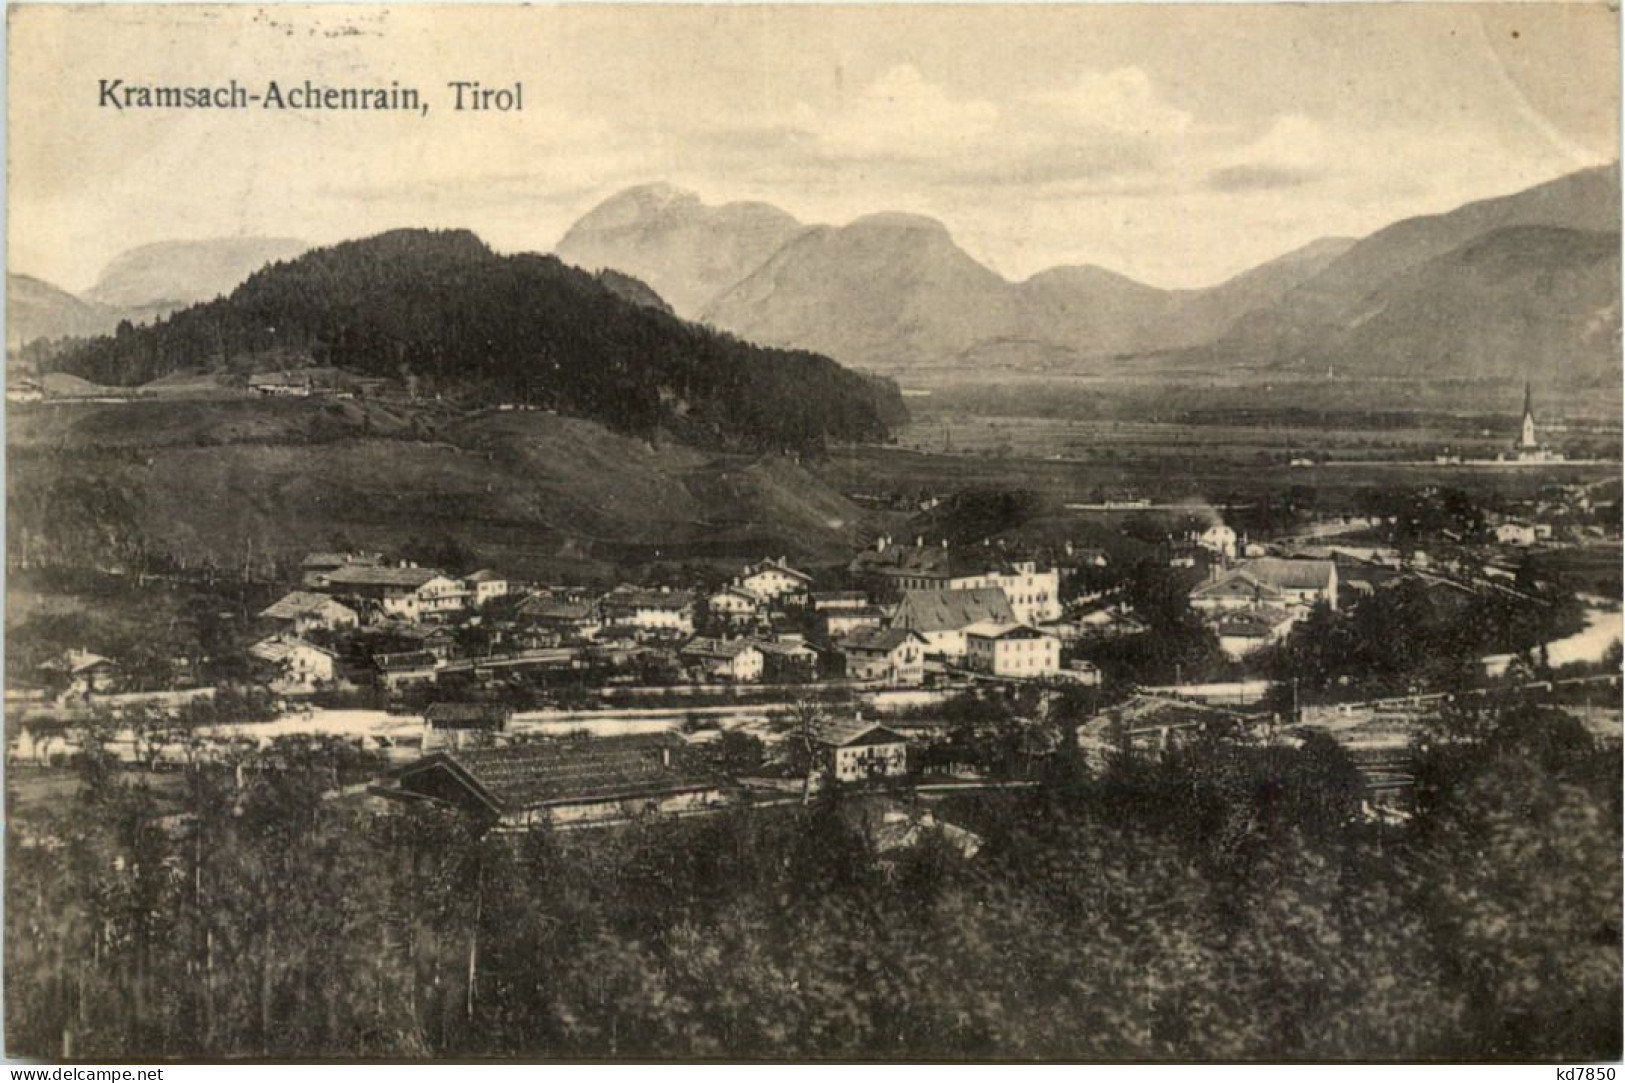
{"x": 537, "y": 494}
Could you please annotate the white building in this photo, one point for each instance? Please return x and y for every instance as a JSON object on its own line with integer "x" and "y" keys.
{"x": 484, "y": 586}
{"x": 1011, "y": 650}
{"x": 728, "y": 659}
{"x": 299, "y": 664}
{"x": 734, "y": 604}
{"x": 304, "y": 611}
{"x": 774, "y": 580}
{"x": 856, "y": 750}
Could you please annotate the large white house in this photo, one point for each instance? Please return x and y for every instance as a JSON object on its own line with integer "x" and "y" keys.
{"x": 1034, "y": 593}
{"x": 856, "y": 750}
{"x": 299, "y": 664}
{"x": 650, "y": 610}
{"x": 774, "y": 580}
{"x": 303, "y": 611}
{"x": 1011, "y": 650}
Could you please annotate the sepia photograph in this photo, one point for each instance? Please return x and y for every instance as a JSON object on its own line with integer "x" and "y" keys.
{"x": 857, "y": 533}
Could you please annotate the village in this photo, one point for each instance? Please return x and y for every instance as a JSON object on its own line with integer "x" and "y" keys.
{"x": 511, "y": 699}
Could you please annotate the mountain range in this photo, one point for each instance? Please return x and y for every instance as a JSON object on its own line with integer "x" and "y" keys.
{"x": 1468, "y": 294}
{"x": 138, "y": 285}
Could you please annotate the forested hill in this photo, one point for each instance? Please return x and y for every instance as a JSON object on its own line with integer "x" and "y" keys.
{"x": 443, "y": 314}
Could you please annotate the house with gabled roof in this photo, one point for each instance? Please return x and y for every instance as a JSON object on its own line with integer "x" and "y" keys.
{"x": 852, "y": 750}
{"x": 315, "y": 567}
{"x": 892, "y": 656}
{"x": 735, "y": 604}
{"x": 590, "y": 780}
{"x": 1244, "y": 631}
{"x": 725, "y": 659}
{"x": 394, "y": 590}
{"x": 650, "y": 610}
{"x": 302, "y": 611}
{"x": 484, "y": 586}
{"x": 1272, "y": 581}
{"x": 942, "y": 616}
{"x": 774, "y": 580}
{"x": 299, "y": 664}
{"x": 1007, "y": 649}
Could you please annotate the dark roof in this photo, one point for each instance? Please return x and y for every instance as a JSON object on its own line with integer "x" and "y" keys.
{"x": 840, "y": 733}
{"x": 545, "y": 608}
{"x": 364, "y": 575}
{"x": 570, "y": 770}
{"x": 935, "y": 561}
{"x": 406, "y": 660}
{"x": 779, "y": 565}
{"x": 878, "y": 639}
{"x": 707, "y": 647}
{"x": 338, "y": 560}
{"x": 948, "y": 610}
{"x": 298, "y": 603}
{"x": 636, "y": 598}
{"x": 1259, "y": 622}
{"x": 1292, "y": 574}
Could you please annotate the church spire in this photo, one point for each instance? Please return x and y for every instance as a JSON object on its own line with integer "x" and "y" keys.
{"x": 1527, "y": 440}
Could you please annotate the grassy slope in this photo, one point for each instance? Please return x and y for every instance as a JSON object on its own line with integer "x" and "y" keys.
{"x": 532, "y": 492}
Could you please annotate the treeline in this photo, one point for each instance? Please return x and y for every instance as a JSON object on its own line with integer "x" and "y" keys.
{"x": 1222, "y": 903}
{"x": 444, "y": 315}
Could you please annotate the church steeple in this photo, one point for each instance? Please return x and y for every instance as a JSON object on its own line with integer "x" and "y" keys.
{"x": 1528, "y": 438}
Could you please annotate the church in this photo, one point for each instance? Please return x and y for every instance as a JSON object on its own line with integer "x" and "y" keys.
{"x": 1529, "y": 448}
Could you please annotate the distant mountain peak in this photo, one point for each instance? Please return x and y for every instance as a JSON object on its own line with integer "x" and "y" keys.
{"x": 685, "y": 249}
{"x": 179, "y": 272}
{"x": 898, "y": 222}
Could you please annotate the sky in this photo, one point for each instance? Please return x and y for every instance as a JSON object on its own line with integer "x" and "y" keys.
{"x": 1177, "y": 145}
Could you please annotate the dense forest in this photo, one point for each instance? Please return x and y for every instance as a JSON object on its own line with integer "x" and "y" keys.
{"x": 1225, "y": 901}
{"x": 441, "y": 314}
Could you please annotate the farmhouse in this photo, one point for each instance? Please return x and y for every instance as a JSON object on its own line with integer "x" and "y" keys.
{"x": 567, "y": 618}
{"x": 661, "y": 610}
{"x": 571, "y": 781}
{"x": 726, "y": 659}
{"x": 300, "y": 665}
{"x": 1011, "y": 650}
{"x": 942, "y": 616}
{"x": 854, "y": 750}
{"x": 787, "y": 659}
{"x": 774, "y": 580}
{"x": 406, "y": 668}
{"x": 316, "y": 567}
{"x": 302, "y": 611}
{"x": 736, "y": 605}
{"x": 893, "y": 656}
{"x": 484, "y": 586}
{"x": 395, "y": 591}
